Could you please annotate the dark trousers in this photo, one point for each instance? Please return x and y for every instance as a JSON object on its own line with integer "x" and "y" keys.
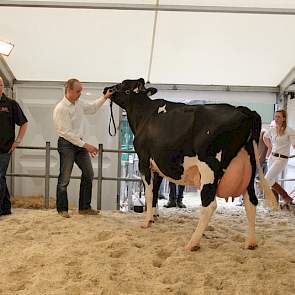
{"x": 173, "y": 196}
{"x": 5, "y": 204}
{"x": 70, "y": 154}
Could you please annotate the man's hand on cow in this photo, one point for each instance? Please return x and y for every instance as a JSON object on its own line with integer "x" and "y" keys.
{"x": 108, "y": 94}
{"x": 92, "y": 150}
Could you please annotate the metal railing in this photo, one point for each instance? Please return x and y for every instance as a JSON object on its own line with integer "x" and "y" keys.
{"x": 47, "y": 176}
{"x": 100, "y": 178}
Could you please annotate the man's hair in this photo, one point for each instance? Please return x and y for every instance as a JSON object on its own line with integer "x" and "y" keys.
{"x": 70, "y": 84}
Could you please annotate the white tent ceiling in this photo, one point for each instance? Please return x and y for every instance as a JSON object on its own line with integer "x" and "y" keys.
{"x": 109, "y": 45}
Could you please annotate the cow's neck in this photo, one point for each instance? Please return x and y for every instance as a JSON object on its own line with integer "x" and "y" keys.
{"x": 137, "y": 112}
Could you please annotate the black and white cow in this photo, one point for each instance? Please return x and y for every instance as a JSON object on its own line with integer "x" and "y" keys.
{"x": 210, "y": 146}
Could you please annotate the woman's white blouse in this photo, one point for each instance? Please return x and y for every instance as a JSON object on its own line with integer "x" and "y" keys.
{"x": 281, "y": 144}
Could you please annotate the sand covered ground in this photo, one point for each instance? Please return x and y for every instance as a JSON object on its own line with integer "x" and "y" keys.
{"x": 42, "y": 253}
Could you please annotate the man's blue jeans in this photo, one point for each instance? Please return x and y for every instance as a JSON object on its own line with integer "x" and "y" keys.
{"x": 70, "y": 154}
{"x": 5, "y": 204}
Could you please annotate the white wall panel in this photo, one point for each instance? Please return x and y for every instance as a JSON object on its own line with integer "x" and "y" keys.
{"x": 261, "y": 102}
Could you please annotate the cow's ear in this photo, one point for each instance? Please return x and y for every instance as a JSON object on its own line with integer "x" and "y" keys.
{"x": 141, "y": 80}
{"x": 141, "y": 85}
{"x": 151, "y": 91}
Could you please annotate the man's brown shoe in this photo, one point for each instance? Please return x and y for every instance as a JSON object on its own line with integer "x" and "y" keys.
{"x": 64, "y": 214}
{"x": 89, "y": 211}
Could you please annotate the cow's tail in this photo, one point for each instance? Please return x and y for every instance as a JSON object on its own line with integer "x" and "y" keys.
{"x": 256, "y": 126}
{"x": 271, "y": 200}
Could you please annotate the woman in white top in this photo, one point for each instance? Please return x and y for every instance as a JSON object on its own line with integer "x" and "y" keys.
{"x": 278, "y": 140}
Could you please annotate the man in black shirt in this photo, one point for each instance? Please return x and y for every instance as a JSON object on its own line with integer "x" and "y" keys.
{"x": 10, "y": 115}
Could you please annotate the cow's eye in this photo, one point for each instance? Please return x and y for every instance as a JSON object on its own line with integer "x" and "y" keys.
{"x": 127, "y": 92}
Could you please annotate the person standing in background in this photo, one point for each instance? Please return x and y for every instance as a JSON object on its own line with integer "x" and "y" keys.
{"x": 278, "y": 140}
{"x": 68, "y": 118}
{"x": 11, "y": 114}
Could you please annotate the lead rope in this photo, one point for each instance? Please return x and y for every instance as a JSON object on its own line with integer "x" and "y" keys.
{"x": 112, "y": 122}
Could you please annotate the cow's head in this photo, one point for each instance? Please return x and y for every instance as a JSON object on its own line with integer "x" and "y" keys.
{"x": 131, "y": 86}
{"x": 130, "y": 93}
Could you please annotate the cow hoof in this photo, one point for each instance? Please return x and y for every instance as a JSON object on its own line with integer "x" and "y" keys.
{"x": 192, "y": 248}
{"x": 251, "y": 246}
{"x": 156, "y": 217}
{"x": 148, "y": 224}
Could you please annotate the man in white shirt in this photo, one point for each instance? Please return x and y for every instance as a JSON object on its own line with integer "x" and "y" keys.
{"x": 68, "y": 118}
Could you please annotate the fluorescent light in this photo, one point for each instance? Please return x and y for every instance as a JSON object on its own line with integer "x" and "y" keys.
{"x": 5, "y": 47}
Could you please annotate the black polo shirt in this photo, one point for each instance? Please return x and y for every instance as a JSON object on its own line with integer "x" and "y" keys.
{"x": 10, "y": 115}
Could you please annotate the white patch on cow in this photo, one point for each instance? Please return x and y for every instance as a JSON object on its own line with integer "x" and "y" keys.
{"x": 207, "y": 174}
{"x": 208, "y": 132}
{"x": 136, "y": 90}
{"x": 162, "y": 109}
{"x": 218, "y": 156}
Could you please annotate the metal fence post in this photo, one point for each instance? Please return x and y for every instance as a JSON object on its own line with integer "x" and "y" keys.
{"x": 47, "y": 174}
{"x": 99, "y": 175}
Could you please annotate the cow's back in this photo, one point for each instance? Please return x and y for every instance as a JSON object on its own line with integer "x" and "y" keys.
{"x": 180, "y": 131}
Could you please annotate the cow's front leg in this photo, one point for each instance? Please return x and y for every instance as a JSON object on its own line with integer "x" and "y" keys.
{"x": 251, "y": 242}
{"x": 149, "y": 217}
{"x": 206, "y": 214}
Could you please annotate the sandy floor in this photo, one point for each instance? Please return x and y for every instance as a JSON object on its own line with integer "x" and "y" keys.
{"x": 42, "y": 253}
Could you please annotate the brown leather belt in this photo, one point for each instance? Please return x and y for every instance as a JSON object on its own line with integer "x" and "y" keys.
{"x": 280, "y": 155}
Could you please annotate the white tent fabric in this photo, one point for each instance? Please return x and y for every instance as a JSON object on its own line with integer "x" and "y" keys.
{"x": 54, "y": 44}
{"x": 232, "y": 3}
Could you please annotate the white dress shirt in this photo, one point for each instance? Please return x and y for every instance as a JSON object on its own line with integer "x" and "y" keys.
{"x": 69, "y": 119}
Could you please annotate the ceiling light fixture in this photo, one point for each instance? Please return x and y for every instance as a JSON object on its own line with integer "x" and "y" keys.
{"x": 5, "y": 47}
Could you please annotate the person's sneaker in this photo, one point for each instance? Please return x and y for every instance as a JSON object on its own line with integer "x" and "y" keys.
{"x": 89, "y": 211}
{"x": 64, "y": 214}
{"x": 180, "y": 204}
{"x": 170, "y": 204}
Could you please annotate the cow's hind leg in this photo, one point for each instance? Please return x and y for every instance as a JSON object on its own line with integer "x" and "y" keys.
{"x": 149, "y": 218}
{"x": 157, "y": 180}
{"x": 251, "y": 242}
{"x": 206, "y": 214}
{"x": 251, "y": 201}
